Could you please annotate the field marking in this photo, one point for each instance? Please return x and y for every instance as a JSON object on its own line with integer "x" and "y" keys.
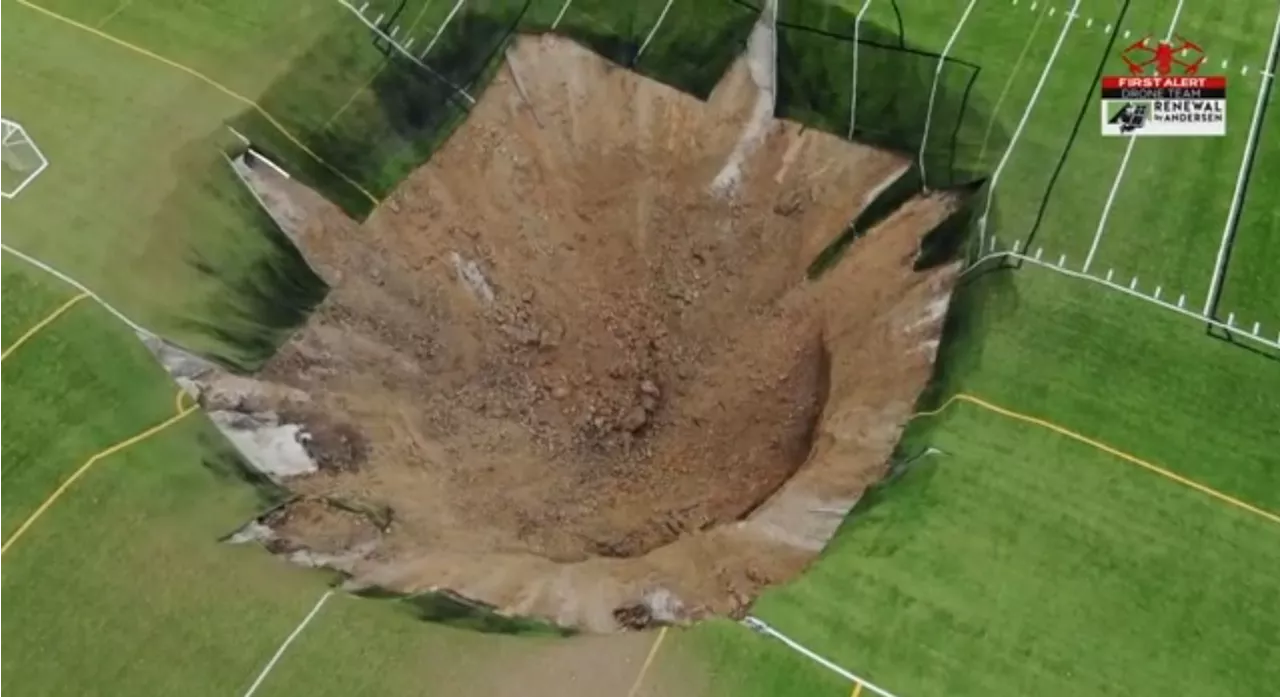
{"x": 373, "y": 26}
{"x": 15, "y": 134}
{"x": 288, "y": 640}
{"x": 933, "y": 92}
{"x": 207, "y": 80}
{"x": 78, "y": 286}
{"x": 648, "y": 661}
{"x": 440, "y": 30}
{"x": 759, "y": 626}
{"x": 853, "y": 92}
{"x": 1246, "y": 163}
{"x": 1132, "y": 459}
{"x": 62, "y": 488}
{"x": 652, "y": 31}
{"x": 1022, "y": 122}
{"x": 178, "y": 400}
{"x": 359, "y": 90}
{"x": 1124, "y": 164}
{"x": 1008, "y": 84}
{"x": 42, "y": 324}
{"x": 563, "y": 9}
{"x": 112, "y": 14}
{"x": 1107, "y": 283}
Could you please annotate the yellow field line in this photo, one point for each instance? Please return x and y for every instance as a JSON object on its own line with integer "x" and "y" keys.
{"x": 41, "y": 325}
{"x": 1132, "y": 459}
{"x": 57, "y": 493}
{"x": 177, "y": 400}
{"x": 207, "y": 80}
{"x": 111, "y": 15}
{"x": 857, "y": 689}
{"x": 648, "y": 661}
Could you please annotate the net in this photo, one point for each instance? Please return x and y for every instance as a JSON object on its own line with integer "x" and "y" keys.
{"x": 20, "y": 160}
{"x": 391, "y": 80}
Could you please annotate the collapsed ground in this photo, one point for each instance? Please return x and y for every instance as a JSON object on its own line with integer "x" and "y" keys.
{"x": 572, "y": 368}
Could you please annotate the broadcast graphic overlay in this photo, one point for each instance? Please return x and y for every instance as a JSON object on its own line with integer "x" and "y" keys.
{"x": 1163, "y": 94}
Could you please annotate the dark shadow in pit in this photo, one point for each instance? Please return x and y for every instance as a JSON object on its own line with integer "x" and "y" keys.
{"x": 803, "y": 449}
{"x": 945, "y": 243}
{"x": 453, "y": 610}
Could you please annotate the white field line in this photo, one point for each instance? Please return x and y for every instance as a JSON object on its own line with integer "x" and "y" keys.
{"x": 44, "y": 164}
{"x": 289, "y": 640}
{"x": 267, "y": 161}
{"x": 1230, "y": 328}
{"x": 563, "y": 9}
{"x": 933, "y": 92}
{"x": 1111, "y": 199}
{"x": 1008, "y": 84}
{"x": 1124, "y": 164}
{"x": 654, "y": 30}
{"x": 758, "y": 625}
{"x": 377, "y": 30}
{"x": 65, "y": 278}
{"x": 1022, "y": 122}
{"x": 448, "y": 18}
{"x": 1246, "y": 162}
{"x": 78, "y": 286}
{"x": 853, "y": 94}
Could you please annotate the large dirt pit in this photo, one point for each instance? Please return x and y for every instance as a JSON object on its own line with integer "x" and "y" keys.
{"x": 572, "y": 367}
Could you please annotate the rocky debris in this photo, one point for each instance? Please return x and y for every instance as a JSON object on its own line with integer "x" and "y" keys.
{"x": 634, "y": 617}
{"x": 178, "y": 362}
{"x": 276, "y": 449}
{"x": 253, "y": 531}
{"x": 652, "y": 368}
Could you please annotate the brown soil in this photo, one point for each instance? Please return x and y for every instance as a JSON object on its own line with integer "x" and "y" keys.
{"x": 567, "y": 367}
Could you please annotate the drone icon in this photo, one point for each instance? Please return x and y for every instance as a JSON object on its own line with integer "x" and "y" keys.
{"x": 1163, "y": 56}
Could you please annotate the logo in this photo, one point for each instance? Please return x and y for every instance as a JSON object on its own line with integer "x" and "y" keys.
{"x": 1130, "y": 117}
{"x": 1163, "y": 58}
{"x": 1163, "y": 93}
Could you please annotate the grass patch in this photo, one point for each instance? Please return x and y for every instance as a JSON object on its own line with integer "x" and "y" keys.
{"x": 1167, "y": 216}
{"x": 1167, "y": 219}
{"x": 29, "y": 296}
{"x": 1024, "y": 563}
{"x": 1049, "y": 165}
{"x": 1050, "y": 346}
{"x": 694, "y": 44}
{"x": 69, "y": 398}
{"x": 1251, "y": 288}
{"x": 735, "y": 662}
{"x": 136, "y": 181}
{"x": 888, "y": 102}
{"x": 142, "y": 596}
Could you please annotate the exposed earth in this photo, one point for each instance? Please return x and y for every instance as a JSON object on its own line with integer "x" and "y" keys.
{"x": 572, "y": 367}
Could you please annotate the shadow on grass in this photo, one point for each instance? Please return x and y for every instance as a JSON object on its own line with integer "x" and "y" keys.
{"x": 225, "y": 462}
{"x": 243, "y": 286}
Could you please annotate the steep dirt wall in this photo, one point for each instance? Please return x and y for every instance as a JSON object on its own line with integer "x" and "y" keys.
{"x": 578, "y": 370}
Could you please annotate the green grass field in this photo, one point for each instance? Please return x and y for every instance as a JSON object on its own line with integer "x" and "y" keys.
{"x": 1252, "y": 288}
{"x": 1017, "y": 562}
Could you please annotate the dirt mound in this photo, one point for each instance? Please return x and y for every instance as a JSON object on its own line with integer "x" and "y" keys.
{"x": 574, "y": 358}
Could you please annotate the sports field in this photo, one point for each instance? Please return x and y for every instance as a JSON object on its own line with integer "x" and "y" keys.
{"x": 1018, "y": 559}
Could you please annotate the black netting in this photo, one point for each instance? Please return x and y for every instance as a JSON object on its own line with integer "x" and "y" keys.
{"x": 875, "y": 90}
{"x": 370, "y": 112}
